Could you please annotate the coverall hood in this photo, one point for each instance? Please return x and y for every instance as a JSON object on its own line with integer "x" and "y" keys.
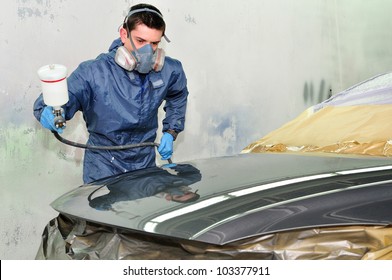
{"x": 115, "y": 44}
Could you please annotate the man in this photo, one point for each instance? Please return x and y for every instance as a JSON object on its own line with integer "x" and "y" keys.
{"x": 119, "y": 94}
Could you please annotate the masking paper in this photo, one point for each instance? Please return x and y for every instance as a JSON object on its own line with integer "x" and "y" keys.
{"x": 357, "y": 130}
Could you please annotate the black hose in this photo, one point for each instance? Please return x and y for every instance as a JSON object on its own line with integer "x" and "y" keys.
{"x": 92, "y": 147}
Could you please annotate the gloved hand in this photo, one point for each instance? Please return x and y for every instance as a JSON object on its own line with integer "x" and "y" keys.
{"x": 47, "y": 120}
{"x": 165, "y": 148}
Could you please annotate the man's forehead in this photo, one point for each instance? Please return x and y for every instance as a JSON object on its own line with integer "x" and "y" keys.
{"x": 144, "y": 32}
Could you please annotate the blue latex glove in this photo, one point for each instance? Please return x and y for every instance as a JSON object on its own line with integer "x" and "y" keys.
{"x": 169, "y": 165}
{"x": 47, "y": 120}
{"x": 165, "y": 148}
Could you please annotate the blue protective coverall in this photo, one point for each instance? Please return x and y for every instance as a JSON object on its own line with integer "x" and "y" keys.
{"x": 121, "y": 108}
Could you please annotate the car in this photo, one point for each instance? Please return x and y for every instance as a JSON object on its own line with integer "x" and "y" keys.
{"x": 302, "y": 201}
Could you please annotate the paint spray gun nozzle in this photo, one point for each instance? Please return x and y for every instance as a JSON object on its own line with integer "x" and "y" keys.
{"x": 59, "y": 120}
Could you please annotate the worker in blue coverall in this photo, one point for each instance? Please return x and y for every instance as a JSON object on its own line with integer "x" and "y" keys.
{"x": 119, "y": 94}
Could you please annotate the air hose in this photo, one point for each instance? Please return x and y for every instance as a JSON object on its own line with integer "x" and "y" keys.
{"x": 92, "y": 147}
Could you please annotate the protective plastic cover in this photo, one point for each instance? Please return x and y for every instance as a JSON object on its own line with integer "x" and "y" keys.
{"x": 357, "y": 121}
{"x": 65, "y": 238}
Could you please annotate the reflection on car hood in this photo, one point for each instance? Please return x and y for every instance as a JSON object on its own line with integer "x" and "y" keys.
{"x": 220, "y": 200}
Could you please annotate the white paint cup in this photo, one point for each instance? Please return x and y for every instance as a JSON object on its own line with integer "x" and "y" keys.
{"x": 54, "y": 84}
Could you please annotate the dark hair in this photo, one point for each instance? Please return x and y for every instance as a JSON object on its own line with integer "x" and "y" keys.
{"x": 148, "y": 18}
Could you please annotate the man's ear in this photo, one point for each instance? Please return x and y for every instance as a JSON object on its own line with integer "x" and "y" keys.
{"x": 123, "y": 34}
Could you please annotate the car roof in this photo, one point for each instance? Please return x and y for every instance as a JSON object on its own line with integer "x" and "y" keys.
{"x": 238, "y": 196}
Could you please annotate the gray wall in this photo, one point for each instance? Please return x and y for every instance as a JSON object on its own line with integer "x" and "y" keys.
{"x": 251, "y": 65}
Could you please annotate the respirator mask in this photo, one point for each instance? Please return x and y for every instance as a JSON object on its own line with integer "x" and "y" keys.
{"x": 144, "y": 59}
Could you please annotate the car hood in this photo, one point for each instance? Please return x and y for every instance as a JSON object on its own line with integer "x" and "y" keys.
{"x": 236, "y": 197}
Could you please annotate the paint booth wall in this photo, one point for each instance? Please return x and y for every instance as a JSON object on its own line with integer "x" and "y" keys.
{"x": 251, "y": 66}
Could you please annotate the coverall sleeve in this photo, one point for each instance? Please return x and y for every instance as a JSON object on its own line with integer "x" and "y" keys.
{"x": 176, "y": 101}
{"x": 38, "y": 107}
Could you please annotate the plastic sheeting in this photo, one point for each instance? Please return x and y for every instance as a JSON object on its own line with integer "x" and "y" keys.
{"x": 66, "y": 238}
{"x": 376, "y": 90}
{"x": 358, "y": 130}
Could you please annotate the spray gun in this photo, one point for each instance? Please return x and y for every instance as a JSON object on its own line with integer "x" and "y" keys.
{"x": 54, "y": 90}
{"x": 55, "y": 94}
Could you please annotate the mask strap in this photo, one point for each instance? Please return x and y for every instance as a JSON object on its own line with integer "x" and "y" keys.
{"x": 130, "y": 39}
{"x": 166, "y": 39}
{"x": 143, "y": 10}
